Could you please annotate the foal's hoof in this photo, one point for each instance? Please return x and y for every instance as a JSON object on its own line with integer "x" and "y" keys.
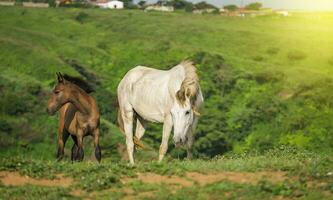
{"x": 58, "y": 159}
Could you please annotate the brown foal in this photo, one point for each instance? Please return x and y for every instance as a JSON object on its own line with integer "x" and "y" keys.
{"x": 79, "y": 116}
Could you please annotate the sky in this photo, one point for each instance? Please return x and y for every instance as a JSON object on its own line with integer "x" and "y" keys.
{"x": 276, "y": 4}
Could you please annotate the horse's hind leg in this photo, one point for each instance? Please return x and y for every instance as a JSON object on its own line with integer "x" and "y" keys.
{"x": 80, "y": 153}
{"x": 140, "y": 127}
{"x": 62, "y": 138}
{"x": 98, "y": 153}
{"x": 74, "y": 148}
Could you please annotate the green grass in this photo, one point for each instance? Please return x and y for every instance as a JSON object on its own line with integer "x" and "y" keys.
{"x": 308, "y": 176}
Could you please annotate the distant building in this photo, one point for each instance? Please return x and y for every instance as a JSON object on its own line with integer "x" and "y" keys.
{"x": 113, "y": 4}
{"x": 284, "y": 13}
{"x": 160, "y": 8}
{"x": 202, "y": 11}
{"x": 35, "y": 5}
{"x": 243, "y": 12}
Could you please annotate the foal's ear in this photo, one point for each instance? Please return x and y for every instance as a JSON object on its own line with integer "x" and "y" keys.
{"x": 60, "y": 77}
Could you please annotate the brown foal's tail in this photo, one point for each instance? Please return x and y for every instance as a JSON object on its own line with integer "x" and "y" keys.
{"x": 136, "y": 141}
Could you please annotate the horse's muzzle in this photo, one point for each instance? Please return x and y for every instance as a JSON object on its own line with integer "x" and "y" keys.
{"x": 180, "y": 141}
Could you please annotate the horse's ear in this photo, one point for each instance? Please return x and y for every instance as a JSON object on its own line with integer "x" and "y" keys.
{"x": 180, "y": 95}
{"x": 188, "y": 93}
{"x": 60, "y": 77}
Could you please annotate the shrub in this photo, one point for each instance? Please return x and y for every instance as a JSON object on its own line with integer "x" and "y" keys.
{"x": 189, "y": 7}
{"x": 52, "y": 3}
{"x": 81, "y": 17}
{"x": 258, "y": 58}
{"x": 230, "y": 7}
{"x": 273, "y": 50}
{"x": 14, "y": 105}
{"x": 204, "y": 5}
{"x": 296, "y": 55}
{"x": 254, "y": 6}
{"x": 330, "y": 61}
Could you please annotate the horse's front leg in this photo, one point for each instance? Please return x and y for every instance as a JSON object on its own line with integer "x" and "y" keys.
{"x": 167, "y": 127}
{"x": 190, "y": 138}
{"x": 80, "y": 154}
{"x": 128, "y": 126}
{"x": 62, "y": 138}
{"x": 98, "y": 153}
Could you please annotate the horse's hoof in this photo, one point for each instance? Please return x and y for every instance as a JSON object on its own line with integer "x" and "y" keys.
{"x": 59, "y": 159}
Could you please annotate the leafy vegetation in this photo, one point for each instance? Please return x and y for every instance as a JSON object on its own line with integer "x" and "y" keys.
{"x": 268, "y": 107}
{"x": 254, "y": 6}
{"x": 258, "y": 94}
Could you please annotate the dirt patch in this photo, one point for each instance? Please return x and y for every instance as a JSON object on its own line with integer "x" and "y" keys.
{"x": 204, "y": 179}
{"x": 15, "y": 179}
{"x": 131, "y": 195}
{"x": 158, "y": 179}
{"x": 237, "y": 177}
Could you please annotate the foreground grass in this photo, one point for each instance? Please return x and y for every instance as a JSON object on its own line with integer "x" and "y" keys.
{"x": 309, "y": 177}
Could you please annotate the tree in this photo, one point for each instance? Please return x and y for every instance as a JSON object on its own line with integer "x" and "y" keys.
{"x": 190, "y": 7}
{"x": 254, "y": 6}
{"x": 179, "y": 4}
{"x": 230, "y": 7}
{"x": 204, "y": 5}
{"x": 142, "y": 3}
{"x": 128, "y": 4}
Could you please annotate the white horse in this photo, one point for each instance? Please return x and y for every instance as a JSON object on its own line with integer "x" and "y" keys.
{"x": 172, "y": 97}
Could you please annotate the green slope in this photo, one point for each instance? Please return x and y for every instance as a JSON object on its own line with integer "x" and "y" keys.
{"x": 267, "y": 81}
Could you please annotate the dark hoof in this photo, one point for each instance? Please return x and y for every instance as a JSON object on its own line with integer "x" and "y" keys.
{"x": 74, "y": 153}
{"x": 58, "y": 159}
{"x": 98, "y": 154}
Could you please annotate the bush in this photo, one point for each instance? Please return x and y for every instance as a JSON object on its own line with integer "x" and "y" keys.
{"x": 204, "y": 5}
{"x": 230, "y": 7}
{"x": 81, "y": 17}
{"x": 330, "y": 61}
{"x": 254, "y": 6}
{"x": 258, "y": 58}
{"x": 296, "y": 55}
{"x": 52, "y": 3}
{"x": 273, "y": 50}
{"x": 189, "y": 7}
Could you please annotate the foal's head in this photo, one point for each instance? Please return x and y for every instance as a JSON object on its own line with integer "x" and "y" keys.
{"x": 60, "y": 95}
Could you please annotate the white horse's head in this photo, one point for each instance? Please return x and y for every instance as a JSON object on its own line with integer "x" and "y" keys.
{"x": 183, "y": 109}
{"x": 182, "y": 117}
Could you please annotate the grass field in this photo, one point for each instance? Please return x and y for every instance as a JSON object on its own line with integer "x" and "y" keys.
{"x": 266, "y": 129}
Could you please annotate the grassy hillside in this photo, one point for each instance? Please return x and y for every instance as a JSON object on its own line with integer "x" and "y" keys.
{"x": 267, "y": 119}
{"x": 267, "y": 81}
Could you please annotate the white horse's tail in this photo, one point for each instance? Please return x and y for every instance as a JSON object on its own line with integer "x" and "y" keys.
{"x": 136, "y": 141}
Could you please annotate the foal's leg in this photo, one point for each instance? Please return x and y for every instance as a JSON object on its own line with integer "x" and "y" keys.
{"x": 80, "y": 153}
{"x": 62, "y": 138}
{"x": 127, "y": 116}
{"x": 140, "y": 127}
{"x": 167, "y": 127}
{"x": 98, "y": 153}
{"x": 74, "y": 148}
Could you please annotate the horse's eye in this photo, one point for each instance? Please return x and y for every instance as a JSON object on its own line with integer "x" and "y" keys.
{"x": 187, "y": 112}
{"x": 56, "y": 92}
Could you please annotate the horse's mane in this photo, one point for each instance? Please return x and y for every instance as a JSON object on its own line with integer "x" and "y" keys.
{"x": 190, "y": 85}
{"x": 84, "y": 85}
